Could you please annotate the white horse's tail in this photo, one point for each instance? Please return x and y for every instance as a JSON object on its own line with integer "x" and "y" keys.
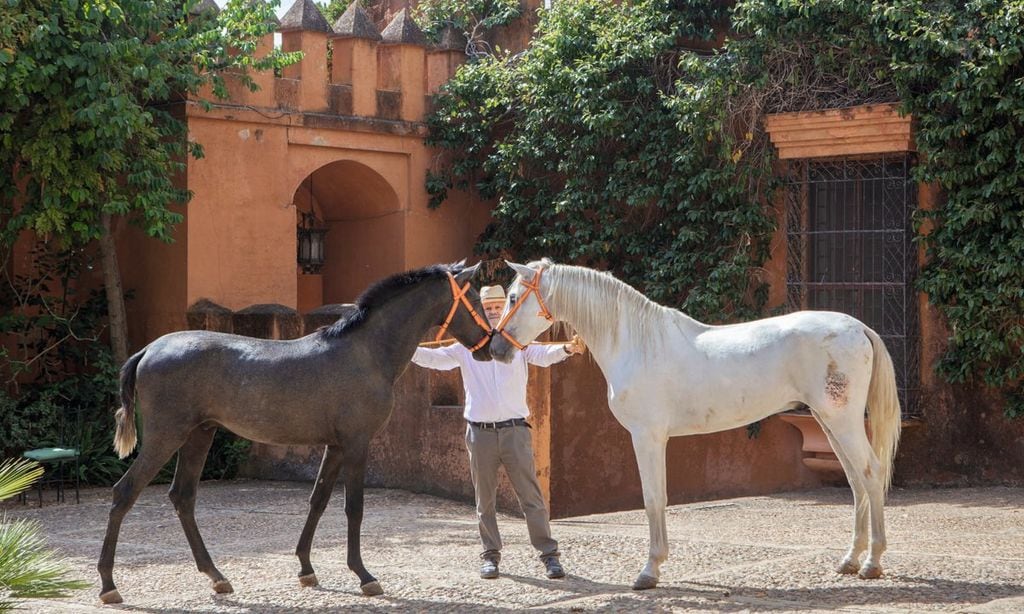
{"x": 883, "y": 407}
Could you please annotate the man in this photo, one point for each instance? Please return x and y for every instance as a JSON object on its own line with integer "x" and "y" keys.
{"x": 497, "y": 433}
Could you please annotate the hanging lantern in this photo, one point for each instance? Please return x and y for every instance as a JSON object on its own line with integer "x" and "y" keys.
{"x": 310, "y": 238}
{"x": 311, "y": 243}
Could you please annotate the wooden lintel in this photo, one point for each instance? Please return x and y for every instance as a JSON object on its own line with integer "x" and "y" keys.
{"x": 869, "y": 129}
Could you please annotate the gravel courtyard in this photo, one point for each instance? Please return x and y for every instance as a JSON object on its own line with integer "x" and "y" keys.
{"x": 949, "y": 550}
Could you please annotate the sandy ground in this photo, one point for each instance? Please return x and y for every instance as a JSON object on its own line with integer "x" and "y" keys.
{"x": 949, "y": 550}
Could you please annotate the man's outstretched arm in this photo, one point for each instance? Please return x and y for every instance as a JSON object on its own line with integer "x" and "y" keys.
{"x": 547, "y": 355}
{"x": 440, "y": 359}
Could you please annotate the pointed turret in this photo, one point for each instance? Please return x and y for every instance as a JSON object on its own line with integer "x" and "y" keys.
{"x": 355, "y": 22}
{"x": 402, "y": 69}
{"x": 403, "y": 30}
{"x": 303, "y": 28}
{"x": 304, "y": 16}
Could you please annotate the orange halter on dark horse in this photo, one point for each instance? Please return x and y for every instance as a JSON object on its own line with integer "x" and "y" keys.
{"x": 531, "y": 286}
{"x": 459, "y": 297}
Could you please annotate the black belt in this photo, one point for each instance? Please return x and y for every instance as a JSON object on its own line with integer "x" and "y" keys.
{"x": 502, "y": 424}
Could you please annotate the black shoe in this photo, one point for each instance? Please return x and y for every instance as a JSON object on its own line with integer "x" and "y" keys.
{"x": 554, "y": 569}
{"x": 489, "y": 569}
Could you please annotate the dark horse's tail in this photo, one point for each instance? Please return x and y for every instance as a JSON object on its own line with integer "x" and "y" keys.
{"x": 124, "y": 437}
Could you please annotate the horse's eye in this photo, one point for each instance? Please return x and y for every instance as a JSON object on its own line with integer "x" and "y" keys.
{"x": 512, "y": 299}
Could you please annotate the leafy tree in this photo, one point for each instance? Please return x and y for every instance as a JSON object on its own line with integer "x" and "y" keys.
{"x": 27, "y": 569}
{"x": 89, "y": 118}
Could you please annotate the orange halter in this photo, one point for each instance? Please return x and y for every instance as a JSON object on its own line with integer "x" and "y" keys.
{"x": 531, "y": 286}
{"x": 459, "y": 297}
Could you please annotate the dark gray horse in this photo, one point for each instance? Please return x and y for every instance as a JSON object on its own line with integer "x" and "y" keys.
{"x": 333, "y": 388}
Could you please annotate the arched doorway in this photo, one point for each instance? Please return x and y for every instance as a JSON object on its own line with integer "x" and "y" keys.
{"x": 365, "y": 232}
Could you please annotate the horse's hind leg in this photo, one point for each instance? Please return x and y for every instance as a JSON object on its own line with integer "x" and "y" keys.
{"x": 848, "y": 435}
{"x": 851, "y": 562}
{"x": 650, "y": 458}
{"x": 191, "y": 458}
{"x": 355, "y": 472}
{"x": 325, "y": 479}
{"x": 156, "y": 451}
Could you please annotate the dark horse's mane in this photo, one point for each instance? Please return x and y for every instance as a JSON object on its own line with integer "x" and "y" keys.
{"x": 382, "y": 292}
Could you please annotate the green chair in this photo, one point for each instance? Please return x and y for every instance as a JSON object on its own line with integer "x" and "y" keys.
{"x": 54, "y": 460}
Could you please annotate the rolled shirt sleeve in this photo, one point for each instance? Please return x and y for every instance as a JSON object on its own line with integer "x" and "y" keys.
{"x": 545, "y": 355}
{"x": 441, "y": 359}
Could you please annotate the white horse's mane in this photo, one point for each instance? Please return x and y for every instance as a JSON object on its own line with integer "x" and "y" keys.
{"x": 596, "y": 301}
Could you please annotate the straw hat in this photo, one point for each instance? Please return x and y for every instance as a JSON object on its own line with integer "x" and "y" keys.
{"x": 492, "y": 293}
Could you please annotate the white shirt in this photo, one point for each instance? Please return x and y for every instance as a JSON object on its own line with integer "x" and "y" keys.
{"x": 495, "y": 391}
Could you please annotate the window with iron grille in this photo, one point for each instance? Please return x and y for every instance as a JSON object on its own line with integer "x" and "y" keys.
{"x": 850, "y": 249}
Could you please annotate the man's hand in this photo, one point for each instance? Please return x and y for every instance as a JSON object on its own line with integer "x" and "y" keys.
{"x": 575, "y": 345}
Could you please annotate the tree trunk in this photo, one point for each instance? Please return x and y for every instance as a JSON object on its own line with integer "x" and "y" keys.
{"x": 115, "y": 294}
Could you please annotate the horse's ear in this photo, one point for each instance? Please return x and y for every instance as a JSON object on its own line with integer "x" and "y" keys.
{"x": 467, "y": 273}
{"x": 524, "y": 271}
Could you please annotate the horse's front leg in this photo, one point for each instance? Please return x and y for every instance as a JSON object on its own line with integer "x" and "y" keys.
{"x": 650, "y": 459}
{"x": 355, "y": 471}
{"x": 325, "y": 479}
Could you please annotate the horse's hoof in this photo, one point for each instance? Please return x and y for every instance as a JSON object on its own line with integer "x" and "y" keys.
{"x": 848, "y": 568}
{"x": 222, "y": 587}
{"x": 644, "y": 582}
{"x": 372, "y": 589}
{"x": 111, "y": 596}
{"x": 309, "y": 580}
{"x": 870, "y": 572}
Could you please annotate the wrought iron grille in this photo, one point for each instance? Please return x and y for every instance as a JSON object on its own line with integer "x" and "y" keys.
{"x": 850, "y": 249}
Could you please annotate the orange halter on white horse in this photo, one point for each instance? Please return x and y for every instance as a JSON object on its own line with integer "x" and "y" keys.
{"x": 670, "y": 375}
{"x": 531, "y": 286}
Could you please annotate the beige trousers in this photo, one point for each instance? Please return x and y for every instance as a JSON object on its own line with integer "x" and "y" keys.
{"x": 512, "y": 448}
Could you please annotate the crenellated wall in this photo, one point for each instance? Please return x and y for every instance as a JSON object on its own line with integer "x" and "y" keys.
{"x": 338, "y": 135}
{"x": 350, "y": 68}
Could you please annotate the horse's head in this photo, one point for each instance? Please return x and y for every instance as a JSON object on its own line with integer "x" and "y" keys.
{"x": 526, "y": 313}
{"x": 465, "y": 317}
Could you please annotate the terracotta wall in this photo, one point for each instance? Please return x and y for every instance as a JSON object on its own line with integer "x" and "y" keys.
{"x": 156, "y": 275}
{"x": 237, "y": 246}
{"x": 516, "y": 35}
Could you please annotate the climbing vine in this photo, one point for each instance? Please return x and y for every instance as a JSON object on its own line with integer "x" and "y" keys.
{"x": 623, "y": 138}
{"x": 606, "y": 144}
{"x": 958, "y": 70}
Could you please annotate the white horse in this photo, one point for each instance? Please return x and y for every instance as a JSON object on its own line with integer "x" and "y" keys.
{"x": 671, "y": 375}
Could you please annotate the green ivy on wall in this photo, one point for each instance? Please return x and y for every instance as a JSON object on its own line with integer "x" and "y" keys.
{"x": 619, "y": 140}
{"x": 606, "y": 145}
{"x": 958, "y": 70}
